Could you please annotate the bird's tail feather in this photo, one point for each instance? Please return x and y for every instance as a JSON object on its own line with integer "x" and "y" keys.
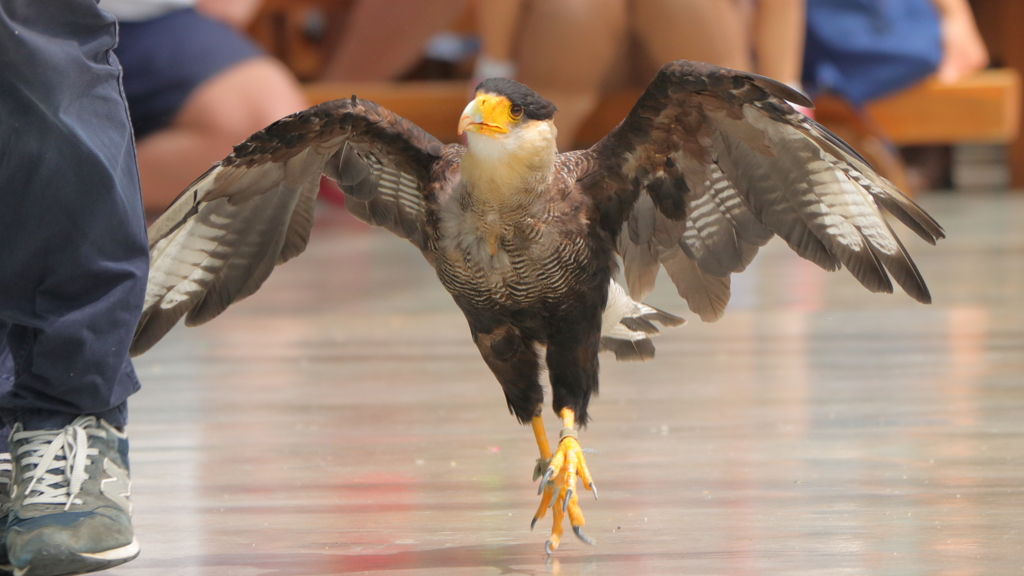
{"x": 627, "y": 326}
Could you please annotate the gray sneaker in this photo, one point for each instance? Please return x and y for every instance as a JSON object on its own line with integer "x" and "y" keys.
{"x": 70, "y": 512}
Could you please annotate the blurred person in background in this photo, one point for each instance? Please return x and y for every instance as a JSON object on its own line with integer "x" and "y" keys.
{"x": 861, "y": 50}
{"x": 196, "y": 86}
{"x": 865, "y": 49}
{"x": 963, "y": 50}
{"x": 573, "y": 51}
{"x": 384, "y": 39}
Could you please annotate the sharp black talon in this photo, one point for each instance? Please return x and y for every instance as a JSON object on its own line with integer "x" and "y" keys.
{"x": 582, "y": 536}
{"x": 594, "y": 490}
{"x": 533, "y": 523}
{"x": 565, "y": 503}
{"x": 547, "y": 547}
{"x": 544, "y": 480}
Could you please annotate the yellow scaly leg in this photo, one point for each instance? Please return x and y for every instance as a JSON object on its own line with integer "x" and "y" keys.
{"x": 546, "y": 490}
{"x": 559, "y": 481}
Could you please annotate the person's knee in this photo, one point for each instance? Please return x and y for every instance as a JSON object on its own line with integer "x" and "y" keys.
{"x": 242, "y": 99}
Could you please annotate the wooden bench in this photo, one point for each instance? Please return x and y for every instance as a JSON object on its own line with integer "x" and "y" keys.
{"x": 984, "y": 108}
{"x": 434, "y": 106}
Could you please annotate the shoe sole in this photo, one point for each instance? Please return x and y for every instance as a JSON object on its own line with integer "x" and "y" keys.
{"x": 63, "y": 563}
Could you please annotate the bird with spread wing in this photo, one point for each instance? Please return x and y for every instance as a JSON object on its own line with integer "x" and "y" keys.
{"x": 706, "y": 168}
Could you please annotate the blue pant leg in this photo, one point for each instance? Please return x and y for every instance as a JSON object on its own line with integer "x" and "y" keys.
{"x": 6, "y": 379}
{"x": 73, "y": 250}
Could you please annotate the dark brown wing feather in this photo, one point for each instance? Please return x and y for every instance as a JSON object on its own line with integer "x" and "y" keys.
{"x": 222, "y": 237}
{"x": 712, "y": 162}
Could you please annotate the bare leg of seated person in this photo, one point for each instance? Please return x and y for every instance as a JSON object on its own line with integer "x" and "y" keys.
{"x": 385, "y": 38}
{"x": 218, "y": 114}
{"x": 566, "y": 49}
{"x": 779, "y": 31}
{"x": 715, "y": 32}
{"x": 588, "y": 39}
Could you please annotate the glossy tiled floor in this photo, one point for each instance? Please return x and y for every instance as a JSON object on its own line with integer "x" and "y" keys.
{"x": 341, "y": 422}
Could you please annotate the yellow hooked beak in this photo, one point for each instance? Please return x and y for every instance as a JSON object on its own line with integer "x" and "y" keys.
{"x": 487, "y": 114}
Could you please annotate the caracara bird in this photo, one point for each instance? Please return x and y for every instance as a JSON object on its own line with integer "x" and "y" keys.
{"x": 708, "y": 165}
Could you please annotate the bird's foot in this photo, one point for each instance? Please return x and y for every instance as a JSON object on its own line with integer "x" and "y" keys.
{"x": 558, "y": 488}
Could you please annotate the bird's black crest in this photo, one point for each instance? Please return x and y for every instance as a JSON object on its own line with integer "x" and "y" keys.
{"x": 534, "y": 106}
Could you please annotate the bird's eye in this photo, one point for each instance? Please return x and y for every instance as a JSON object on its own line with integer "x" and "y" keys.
{"x": 516, "y": 111}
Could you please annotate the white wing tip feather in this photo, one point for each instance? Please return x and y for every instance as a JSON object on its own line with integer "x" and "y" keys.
{"x": 620, "y": 307}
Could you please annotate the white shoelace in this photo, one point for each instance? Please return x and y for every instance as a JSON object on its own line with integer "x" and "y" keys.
{"x": 6, "y": 471}
{"x": 60, "y": 459}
